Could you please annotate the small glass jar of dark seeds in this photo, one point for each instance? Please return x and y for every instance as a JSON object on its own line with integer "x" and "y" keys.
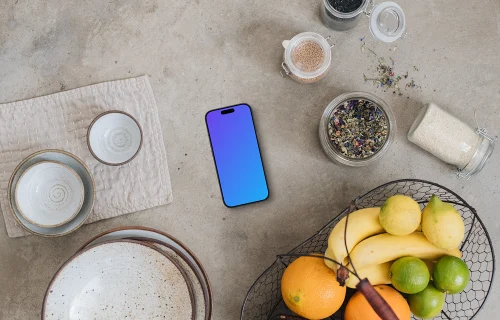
{"x": 356, "y": 129}
{"x": 387, "y": 20}
{"x": 342, "y": 15}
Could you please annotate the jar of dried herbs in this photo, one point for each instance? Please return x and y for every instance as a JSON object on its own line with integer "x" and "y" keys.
{"x": 357, "y": 128}
{"x": 387, "y": 20}
{"x": 451, "y": 140}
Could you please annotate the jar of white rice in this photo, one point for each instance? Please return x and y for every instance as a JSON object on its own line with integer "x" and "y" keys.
{"x": 451, "y": 140}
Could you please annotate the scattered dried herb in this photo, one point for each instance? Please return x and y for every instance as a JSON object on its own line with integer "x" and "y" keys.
{"x": 412, "y": 84}
{"x": 363, "y": 47}
{"x": 385, "y": 77}
{"x": 358, "y": 129}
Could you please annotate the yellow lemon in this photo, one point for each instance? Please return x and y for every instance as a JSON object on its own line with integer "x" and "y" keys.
{"x": 400, "y": 215}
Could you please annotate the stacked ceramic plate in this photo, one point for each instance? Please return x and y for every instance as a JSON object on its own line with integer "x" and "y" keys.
{"x": 130, "y": 273}
{"x": 51, "y": 193}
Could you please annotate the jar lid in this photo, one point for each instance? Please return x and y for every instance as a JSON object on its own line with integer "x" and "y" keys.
{"x": 388, "y": 22}
{"x": 479, "y": 158}
{"x": 307, "y": 55}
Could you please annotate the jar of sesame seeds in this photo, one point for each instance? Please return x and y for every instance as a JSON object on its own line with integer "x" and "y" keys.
{"x": 307, "y": 57}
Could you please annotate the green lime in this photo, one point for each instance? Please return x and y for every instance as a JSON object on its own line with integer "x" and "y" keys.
{"x": 409, "y": 275}
{"x": 451, "y": 274}
{"x": 427, "y": 303}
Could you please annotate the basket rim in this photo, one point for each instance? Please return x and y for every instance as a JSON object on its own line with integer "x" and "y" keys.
{"x": 465, "y": 203}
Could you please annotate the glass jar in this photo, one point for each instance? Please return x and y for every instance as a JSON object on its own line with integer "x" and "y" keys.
{"x": 307, "y": 57}
{"x": 332, "y": 151}
{"x": 451, "y": 140}
{"x": 387, "y": 20}
{"x": 341, "y": 21}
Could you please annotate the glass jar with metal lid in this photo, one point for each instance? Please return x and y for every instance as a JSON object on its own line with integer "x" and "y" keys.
{"x": 387, "y": 20}
{"x": 451, "y": 140}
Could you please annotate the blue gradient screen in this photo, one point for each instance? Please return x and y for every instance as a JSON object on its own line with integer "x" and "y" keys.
{"x": 236, "y": 155}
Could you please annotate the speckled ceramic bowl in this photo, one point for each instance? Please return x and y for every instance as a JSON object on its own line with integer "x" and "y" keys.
{"x": 194, "y": 286}
{"x": 177, "y": 251}
{"x": 116, "y": 280}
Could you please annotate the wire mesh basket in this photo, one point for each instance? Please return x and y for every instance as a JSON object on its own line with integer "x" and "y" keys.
{"x": 263, "y": 300}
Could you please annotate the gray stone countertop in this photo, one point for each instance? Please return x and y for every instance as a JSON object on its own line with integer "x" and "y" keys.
{"x": 203, "y": 54}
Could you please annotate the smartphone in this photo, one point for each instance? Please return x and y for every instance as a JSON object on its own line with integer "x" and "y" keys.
{"x": 237, "y": 155}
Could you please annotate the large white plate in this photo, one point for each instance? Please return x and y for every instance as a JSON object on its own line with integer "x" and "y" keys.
{"x": 117, "y": 280}
{"x": 203, "y": 303}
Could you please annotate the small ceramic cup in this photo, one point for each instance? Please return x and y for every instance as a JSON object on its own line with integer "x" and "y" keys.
{"x": 49, "y": 194}
{"x": 114, "y": 138}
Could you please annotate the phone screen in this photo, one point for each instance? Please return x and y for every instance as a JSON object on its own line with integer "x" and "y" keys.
{"x": 236, "y": 154}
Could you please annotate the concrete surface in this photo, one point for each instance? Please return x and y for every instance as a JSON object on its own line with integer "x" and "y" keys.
{"x": 206, "y": 54}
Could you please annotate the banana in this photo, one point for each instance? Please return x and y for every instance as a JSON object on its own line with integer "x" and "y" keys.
{"x": 329, "y": 254}
{"x": 430, "y": 266}
{"x": 376, "y": 274}
{"x": 387, "y": 247}
{"x": 362, "y": 224}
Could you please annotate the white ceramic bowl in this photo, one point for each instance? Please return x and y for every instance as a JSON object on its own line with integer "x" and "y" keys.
{"x": 117, "y": 280}
{"x": 175, "y": 249}
{"x": 49, "y": 194}
{"x": 114, "y": 138}
{"x": 74, "y": 163}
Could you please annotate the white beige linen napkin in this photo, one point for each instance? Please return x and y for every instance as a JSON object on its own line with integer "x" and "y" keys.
{"x": 61, "y": 120}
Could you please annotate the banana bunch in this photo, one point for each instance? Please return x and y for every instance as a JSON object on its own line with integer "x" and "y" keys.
{"x": 372, "y": 250}
{"x": 362, "y": 224}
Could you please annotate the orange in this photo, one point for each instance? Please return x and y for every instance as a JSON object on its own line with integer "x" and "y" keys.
{"x": 310, "y": 289}
{"x": 358, "y": 307}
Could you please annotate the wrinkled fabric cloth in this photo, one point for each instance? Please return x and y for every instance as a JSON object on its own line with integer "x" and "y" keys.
{"x": 61, "y": 120}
